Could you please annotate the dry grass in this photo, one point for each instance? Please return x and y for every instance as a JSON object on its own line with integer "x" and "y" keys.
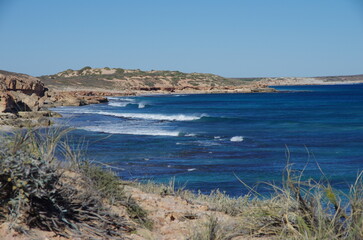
{"x": 297, "y": 209}
{"x": 35, "y": 191}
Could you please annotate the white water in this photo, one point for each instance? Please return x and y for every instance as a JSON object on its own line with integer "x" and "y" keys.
{"x": 237, "y": 139}
{"x": 150, "y": 116}
{"x": 146, "y": 116}
{"x": 130, "y": 131}
{"x": 118, "y": 104}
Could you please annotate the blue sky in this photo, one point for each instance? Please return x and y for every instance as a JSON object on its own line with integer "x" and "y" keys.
{"x": 232, "y": 38}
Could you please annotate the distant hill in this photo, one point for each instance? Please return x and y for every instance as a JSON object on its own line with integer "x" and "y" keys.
{"x": 131, "y": 80}
{"x": 126, "y": 79}
{"x": 350, "y": 78}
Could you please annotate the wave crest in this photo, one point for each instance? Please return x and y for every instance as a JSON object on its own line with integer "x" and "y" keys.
{"x": 118, "y": 104}
{"x": 130, "y": 131}
{"x": 236, "y": 139}
{"x": 149, "y": 116}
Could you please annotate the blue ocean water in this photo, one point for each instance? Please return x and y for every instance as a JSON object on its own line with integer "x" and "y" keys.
{"x": 206, "y": 140}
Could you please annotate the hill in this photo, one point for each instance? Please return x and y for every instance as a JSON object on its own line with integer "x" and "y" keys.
{"x": 120, "y": 79}
{"x": 325, "y": 80}
{"x": 137, "y": 81}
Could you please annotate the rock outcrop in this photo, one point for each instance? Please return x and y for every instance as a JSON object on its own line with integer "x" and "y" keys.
{"x": 24, "y": 100}
{"x": 74, "y": 98}
{"x": 7, "y": 103}
{"x": 20, "y": 92}
{"x": 22, "y": 83}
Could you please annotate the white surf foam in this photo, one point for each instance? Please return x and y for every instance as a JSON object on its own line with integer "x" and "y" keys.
{"x": 130, "y": 131}
{"x": 146, "y": 116}
{"x": 127, "y": 99}
{"x": 190, "y": 135}
{"x": 237, "y": 139}
{"x": 191, "y": 169}
{"x": 141, "y": 105}
{"x": 118, "y": 104}
{"x": 149, "y": 116}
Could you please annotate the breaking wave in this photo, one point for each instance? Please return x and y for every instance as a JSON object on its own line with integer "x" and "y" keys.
{"x": 118, "y": 104}
{"x": 146, "y": 116}
{"x": 149, "y": 116}
{"x": 237, "y": 139}
{"x": 131, "y": 131}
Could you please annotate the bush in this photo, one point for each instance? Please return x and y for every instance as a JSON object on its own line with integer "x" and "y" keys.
{"x": 36, "y": 192}
{"x": 84, "y": 69}
{"x": 120, "y": 71}
{"x": 104, "y": 181}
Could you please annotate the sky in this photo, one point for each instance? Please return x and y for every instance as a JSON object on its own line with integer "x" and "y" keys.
{"x": 231, "y": 38}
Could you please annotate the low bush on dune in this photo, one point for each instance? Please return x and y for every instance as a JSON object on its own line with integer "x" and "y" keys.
{"x": 35, "y": 191}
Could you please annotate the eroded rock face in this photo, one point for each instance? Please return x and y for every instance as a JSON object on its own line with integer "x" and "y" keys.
{"x": 73, "y": 98}
{"x": 22, "y": 83}
{"x": 19, "y": 92}
{"x": 7, "y": 102}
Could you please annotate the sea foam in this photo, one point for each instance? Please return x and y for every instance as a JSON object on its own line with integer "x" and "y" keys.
{"x": 118, "y": 104}
{"x": 237, "y": 139}
{"x": 146, "y": 116}
{"x": 130, "y": 131}
{"x": 149, "y": 116}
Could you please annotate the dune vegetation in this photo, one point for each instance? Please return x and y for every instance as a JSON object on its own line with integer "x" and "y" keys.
{"x": 48, "y": 185}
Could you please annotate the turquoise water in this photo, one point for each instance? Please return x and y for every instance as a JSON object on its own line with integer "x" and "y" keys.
{"x": 205, "y": 140}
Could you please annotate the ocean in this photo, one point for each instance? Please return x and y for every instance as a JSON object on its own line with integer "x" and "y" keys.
{"x": 208, "y": 141}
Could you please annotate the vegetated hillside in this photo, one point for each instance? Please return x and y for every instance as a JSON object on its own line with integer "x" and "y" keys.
{"x": 350, "y": 78}
{"x": 124, "y": 79}
{"x": 326, "y": 80}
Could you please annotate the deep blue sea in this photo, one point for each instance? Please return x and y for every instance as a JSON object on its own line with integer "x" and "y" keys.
{"x": 206, "y": 140}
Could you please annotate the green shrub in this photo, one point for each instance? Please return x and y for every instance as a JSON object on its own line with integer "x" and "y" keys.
{"x": 84, "y": 69}
{"x": 104, "y": 181}
{"x": 120, "y": 71}
{"x": 36, "y": 192}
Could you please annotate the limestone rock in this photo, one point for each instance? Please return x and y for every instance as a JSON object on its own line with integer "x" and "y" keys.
{"x": 25, "y": 102}
{"x": 19, "y": 92}
{"x": 7, "y": 103}
{"x": 22, "y": 83}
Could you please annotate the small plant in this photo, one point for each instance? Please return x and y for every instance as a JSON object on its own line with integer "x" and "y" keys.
{"x": 84, "y": 69}
{"x": 137, "y": 213}
{"x": 210, "y": 230}
{"x": 104, "y": 181}
{"x": 120, "y": 71}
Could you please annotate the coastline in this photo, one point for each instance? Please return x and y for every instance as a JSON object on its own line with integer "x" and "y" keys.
{"x": 175, "y": 213}
{"x": 268, "y": 89}
{"x": 84, "y": 96}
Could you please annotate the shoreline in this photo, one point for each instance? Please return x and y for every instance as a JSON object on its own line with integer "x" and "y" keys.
{"x": 162, "y": 93}
{"x": 175, "y": 213}
{"x": 97, "y": 96}
{"x": 247, "y": 89}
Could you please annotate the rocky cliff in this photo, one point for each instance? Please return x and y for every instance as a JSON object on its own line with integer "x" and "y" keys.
{"x": 24, "y": 100}
{"x": 20, "y": 92}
